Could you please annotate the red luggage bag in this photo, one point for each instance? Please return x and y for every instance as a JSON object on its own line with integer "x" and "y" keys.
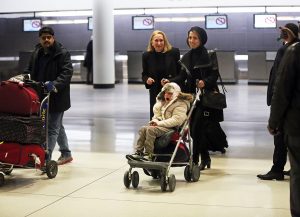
{"x": 18, "y": 99}
{"x": 30, "y": 155}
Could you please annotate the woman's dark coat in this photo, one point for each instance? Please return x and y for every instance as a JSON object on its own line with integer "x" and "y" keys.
{"x": 150, "y": 69}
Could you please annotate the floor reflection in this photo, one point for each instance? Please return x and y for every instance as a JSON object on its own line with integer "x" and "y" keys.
{"x": 108, "y": 120}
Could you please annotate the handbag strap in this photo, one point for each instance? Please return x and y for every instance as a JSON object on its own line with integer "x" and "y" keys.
{"x": 185, "y": 68}
{"x": 222, "y": 84}
{"x": 204, "y": 66}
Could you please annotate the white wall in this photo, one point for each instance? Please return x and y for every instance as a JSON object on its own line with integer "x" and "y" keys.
{"x": 38, "y": 5}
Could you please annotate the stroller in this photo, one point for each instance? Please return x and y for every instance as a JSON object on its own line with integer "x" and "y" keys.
{"x": 23, "y": 128}
{"x": 170, "y": 156}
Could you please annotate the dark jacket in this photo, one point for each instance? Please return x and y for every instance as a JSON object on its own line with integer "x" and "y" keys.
{"x": 88, "y": 60}
{"x": 274, "y": 70}
{"x": 59, "y": 70}
{"x": 198, "y": 63}
{"x": 150, "y": 69}
{"x": 285, "y": 105}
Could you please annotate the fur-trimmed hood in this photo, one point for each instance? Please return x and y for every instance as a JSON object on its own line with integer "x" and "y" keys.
{"x": 174, "y": 112}
{"x": 177, "y": 94}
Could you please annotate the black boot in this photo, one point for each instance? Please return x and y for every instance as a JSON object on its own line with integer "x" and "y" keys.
{"x": 205, "y": 163}
{"x": 205, "y": 160}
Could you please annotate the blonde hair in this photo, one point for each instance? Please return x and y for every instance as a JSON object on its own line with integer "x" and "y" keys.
{"x": 167, "y": 47}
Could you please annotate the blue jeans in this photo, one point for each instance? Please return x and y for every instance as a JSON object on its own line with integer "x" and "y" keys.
{"x": 56, "y": 133}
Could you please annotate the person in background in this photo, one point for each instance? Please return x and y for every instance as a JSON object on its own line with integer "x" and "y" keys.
{"x": 197, "y": 72}
{"x": 285, "y": 114}
{"x": 289, "y": 35}
{"x": 159, "y": 62}
{"x": 88, "y": 62}
{"x": 170, "y": 111}
{"x": 51, "y": 63}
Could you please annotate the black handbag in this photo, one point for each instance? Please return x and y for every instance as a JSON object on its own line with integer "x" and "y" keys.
{"x": 214, "y": 99}
{"x": 211, "y": 99}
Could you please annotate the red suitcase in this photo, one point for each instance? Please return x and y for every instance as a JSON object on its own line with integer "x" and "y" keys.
{"x": 18, "y": 99}
{"x": 31, "y": 155}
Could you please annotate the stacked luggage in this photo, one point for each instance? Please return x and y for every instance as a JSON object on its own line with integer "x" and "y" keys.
{"x": 23, "y": 133}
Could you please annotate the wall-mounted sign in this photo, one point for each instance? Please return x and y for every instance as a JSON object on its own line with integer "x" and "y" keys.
{"x": 142, "y": 22}
{"x": 32, "y": 25}
{"x": 264, "y": 21}
{"x": 90, "y": 23}
{"x": 216, "y": 21}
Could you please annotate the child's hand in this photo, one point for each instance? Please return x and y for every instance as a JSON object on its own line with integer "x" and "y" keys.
{"x": 152, "y": 123}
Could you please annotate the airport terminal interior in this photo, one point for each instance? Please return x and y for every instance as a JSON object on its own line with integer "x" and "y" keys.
{"x": 102, "y": 127}
{"x": 103, "y": 123}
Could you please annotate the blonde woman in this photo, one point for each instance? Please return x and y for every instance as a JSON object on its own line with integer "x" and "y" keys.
{"x": 160, "y": 62}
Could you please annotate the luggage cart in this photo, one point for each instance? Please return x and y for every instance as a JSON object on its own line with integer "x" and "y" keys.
{"x": 33, "y": 156}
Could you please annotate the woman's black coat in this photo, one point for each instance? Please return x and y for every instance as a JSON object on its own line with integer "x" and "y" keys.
{"x": 150, "y": 69}
{"x": 198, "y": 63}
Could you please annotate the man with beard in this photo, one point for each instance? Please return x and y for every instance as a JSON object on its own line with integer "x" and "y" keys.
{"x": 51, "y": 63}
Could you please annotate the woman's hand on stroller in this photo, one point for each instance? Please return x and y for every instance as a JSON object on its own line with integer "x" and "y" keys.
{"x": 164, "y": 81}
{"x": 200, "y": 84}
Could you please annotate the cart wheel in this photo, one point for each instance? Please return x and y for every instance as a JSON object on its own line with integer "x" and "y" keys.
{"x": 135, "y": 179}
{"x": 51, "y": 169}
{"x": 187, "y": 173}
{"x": 126, "y": 179}
{"x": 163, "y": 183}
{"x": 172, "y": 182}
{"x": 195, "y": 173}
{"x": 8, "y": 172}
{"x": 1, "y": 179}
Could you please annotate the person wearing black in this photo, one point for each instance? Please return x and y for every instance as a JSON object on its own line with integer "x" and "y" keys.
{"x": 285, "y": 114}
{"x": 197, "y": 72}
{"x": 289, "y": 35}
{"x": 88, "y": 62}
{"x": 51, "y": 63}
{"x": 159, "y": 62}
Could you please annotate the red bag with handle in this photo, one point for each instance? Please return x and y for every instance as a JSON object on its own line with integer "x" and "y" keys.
{"x": 31, "y": 155}
{"x": 18, "y": 98}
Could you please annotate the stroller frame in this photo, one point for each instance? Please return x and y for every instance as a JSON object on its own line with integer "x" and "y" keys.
{"x": 191, "y": 171}
{"x": 50, "y": 167}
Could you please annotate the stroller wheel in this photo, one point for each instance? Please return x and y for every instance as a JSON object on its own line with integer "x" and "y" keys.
{"x": 163, "y": 183}
{"x": 172, "y": 182}
{"x": 187, "y": 173}
{"x": 127, "y": 179}
{"x": 51, "y": 169}
{"x": 195, "y": 173}
{"x": 1, "y": 179}
{"x": 135, "y": 179}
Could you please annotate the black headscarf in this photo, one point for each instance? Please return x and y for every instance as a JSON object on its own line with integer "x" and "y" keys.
{"x": 201, "y": 34}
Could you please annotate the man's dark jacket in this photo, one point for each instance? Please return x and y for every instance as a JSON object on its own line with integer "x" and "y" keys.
{"x": 59, "y": 70}
{"x": 274, "y": 69}
{"x": 285, "y": 106}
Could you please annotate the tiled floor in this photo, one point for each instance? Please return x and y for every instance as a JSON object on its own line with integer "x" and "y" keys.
{"x": 102, "y": 127}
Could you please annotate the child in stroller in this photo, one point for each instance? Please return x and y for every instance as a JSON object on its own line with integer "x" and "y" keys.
{"x": 170, "y": 111}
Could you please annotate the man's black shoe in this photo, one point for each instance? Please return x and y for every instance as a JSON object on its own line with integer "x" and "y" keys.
{"x": 272, "y": 175}
{"x": 286, "y": 173}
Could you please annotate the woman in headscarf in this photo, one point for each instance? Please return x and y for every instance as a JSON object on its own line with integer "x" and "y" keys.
{"x": 198, "y": 72}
